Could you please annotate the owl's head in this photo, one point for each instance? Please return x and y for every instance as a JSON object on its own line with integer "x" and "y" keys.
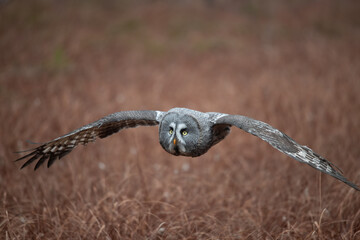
{"x": 179, "y": 134}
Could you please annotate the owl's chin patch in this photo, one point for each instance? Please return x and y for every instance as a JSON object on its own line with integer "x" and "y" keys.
{"x": 176, "y": 151}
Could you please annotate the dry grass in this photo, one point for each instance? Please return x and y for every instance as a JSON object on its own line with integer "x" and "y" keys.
{"x": 295, "y": 65}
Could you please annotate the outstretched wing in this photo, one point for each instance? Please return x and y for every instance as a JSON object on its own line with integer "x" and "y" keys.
{"x": 61, "y": 146}
{"x": 284, "y": 144}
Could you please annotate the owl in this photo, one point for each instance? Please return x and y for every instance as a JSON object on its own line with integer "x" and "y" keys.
{"x": 184, "y": 132}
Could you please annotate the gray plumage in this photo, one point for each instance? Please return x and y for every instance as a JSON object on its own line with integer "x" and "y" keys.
{"x": 183, "y": 132}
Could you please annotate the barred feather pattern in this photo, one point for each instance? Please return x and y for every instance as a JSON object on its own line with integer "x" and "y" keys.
{"x": 285, "y": 144}
{"x": 60, "y": 147}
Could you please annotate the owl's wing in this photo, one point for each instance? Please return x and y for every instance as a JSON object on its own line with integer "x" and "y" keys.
{"x": 284, "y": 144}
{"x": 61, "y": 146}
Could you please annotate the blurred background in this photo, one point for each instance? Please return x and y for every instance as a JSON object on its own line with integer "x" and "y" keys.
{"x": 294, "y": 64}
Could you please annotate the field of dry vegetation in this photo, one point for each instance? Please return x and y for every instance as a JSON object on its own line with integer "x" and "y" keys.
{"x": 293, "y": 64}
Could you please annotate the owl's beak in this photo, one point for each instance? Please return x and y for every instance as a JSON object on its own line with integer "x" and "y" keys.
{"x": 174, "y": 141}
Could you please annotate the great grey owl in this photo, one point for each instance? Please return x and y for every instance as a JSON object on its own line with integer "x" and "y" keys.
{"x": 183, "y": 132}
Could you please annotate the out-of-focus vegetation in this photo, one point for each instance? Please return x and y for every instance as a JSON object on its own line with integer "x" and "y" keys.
{"x": 293, "y": 64}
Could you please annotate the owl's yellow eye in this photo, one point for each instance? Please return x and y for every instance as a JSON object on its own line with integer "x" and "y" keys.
{"x": 184, "y": 133}
{"x": 171, "y": 131}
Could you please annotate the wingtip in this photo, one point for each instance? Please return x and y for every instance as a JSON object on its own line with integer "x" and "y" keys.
{"x": 28, "y": 150}
{"x": 353, "y": 185}
{"x": 22, "y": 151}
{"x": 345, "y": 180}
{"x": 25, "y": 164}
{"x": 25, "y": 156}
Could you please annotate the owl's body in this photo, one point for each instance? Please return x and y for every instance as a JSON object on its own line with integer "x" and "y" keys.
{"x": 201, "y": 131}
{"x": 183, "y": 132}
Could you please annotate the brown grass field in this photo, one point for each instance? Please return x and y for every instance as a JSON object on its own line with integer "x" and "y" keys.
{"x": 293, "y": 64}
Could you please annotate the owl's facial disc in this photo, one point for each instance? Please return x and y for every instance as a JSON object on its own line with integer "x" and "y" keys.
{"x": 179, "y": 134}
{"x": 176, "y": 141}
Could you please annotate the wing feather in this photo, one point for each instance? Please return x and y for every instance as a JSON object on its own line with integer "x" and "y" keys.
{"x": 42, "y": 160}
{"x": 104, "y": 127}
{"x": 285, "y": 144}
{"x": 30, "y": 160}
